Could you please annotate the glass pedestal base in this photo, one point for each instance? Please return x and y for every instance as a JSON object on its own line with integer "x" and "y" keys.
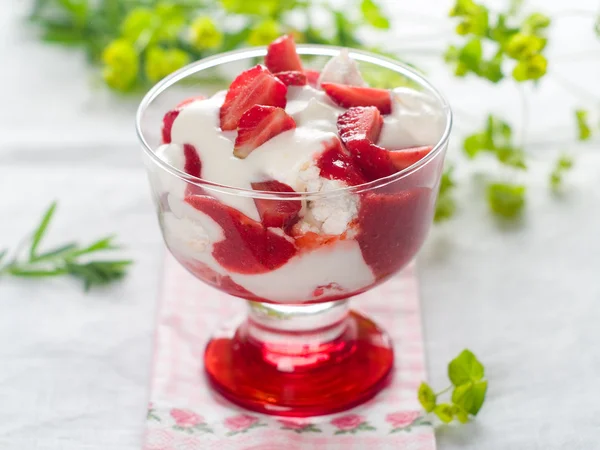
{"x": 277, "y": 363}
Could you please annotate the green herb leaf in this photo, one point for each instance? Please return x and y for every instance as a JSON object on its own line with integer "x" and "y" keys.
{"x": 505, "y": 199}
{"x": 38, "y": 234}
{"x": 445, "y": 412}
{"x": 63, "y": 260}
{"x": 465, "y": 368}
{"x": 427, "y": 397}
{"x": 470, "y": 54}
{"x": 98, "y": 273}
{"x": 514, "y": 7}
{"x": 372, "y": 14}
{"x": 61, "y": 251}
{"x": 583, "y": 127}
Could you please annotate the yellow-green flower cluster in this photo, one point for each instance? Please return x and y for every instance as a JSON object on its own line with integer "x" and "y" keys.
{"x": 121, "y": 64}
{"x": 161, "y": 62}
{"x": 204, "y": 34}
{"x": 264, "y": 33}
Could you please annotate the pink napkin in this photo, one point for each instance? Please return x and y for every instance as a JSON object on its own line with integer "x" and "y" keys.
{"x": 184, "y": 415}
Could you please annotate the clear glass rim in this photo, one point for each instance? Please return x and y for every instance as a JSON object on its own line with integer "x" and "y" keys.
{"x": 312, "y": 50}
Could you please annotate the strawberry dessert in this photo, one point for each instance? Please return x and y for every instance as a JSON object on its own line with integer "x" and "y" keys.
{"x": 292, "y": 205}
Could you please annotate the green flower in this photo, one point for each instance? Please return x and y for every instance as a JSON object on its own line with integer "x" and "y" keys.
{"x": 264, "y": 33}
{"x": 161, "y": 62}
{"x": 138, "y": 21}
{"x": 121, "y": 64}
{"x": 205, "y": 34}
{"x": 172, "y": 20}
{"x": 531, "y": 68}
{"x": 536, "y": 22}
{"x": 523, "y": 46}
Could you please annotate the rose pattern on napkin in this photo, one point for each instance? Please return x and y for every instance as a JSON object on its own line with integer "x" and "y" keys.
{"x": 298, "y": 427}
{"x": 405, "y": 420}
{"x": 242, "y": 423}
{"x": 189, "y": 421}
{"x": 351, "y": 423}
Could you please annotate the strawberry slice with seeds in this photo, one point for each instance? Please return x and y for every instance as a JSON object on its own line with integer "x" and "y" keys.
{"x": 360, "y": 123}
{"x": 248, "y": 247}
{"x": 292, "y": 78}
{"x": 335, "y": 164}
{"x": 259, "y": 124}
{"x": 282, "y": 56}
{"x": 349, "y": 96}
{"x": 374, "y": 161}
{"x": 312, "y": 77}
{"x": 168, "y": 120}
{"x": 256, "y": 86}
{"x": 278, "y": 213}
{"x": 406, "y": 157}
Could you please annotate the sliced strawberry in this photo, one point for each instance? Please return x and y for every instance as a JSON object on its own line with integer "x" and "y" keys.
{"x": 193, "y": 165}
{"x": 187, "y": 101}
{"x": 312, "y": 76}
{"x": 406, "y": 157}
{"x": 282, "y": 56}
{"x": 276, "y": 213}
{"x": 359, "y": 123}
{"x": 349, "y": 96}
{"x": 335, "y": 164}
{"x": 292, "y": 78}
{"x": 248, "y": 247}
{"x": 373, "y": 161}
{"x": 168, "y": 120}
{"x": 393, "y": 227}
{"x": 256, "y": 86}
{"x": 259, "y": 124}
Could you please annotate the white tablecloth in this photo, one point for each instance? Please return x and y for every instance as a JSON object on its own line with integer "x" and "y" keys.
{"x": 74, "y": 368}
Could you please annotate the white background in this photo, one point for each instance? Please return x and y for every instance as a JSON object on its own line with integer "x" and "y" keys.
{"x": 74, "y": 368}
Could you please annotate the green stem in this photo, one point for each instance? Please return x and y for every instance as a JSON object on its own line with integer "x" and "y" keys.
{"x": 443, "y": 391}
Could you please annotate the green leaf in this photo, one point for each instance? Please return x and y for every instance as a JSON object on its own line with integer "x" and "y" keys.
{"x": 479, "y": 390}
{"x": 372, "y": 14}
{"x": 460, "y": 414}
{"x": 583, "y": 127}
{"x": 103, "y": 244}
{"x": 427, "y": 397}
{"x": 474, "y": 144}
{"x": 563, "y": 164}
{"x": 344, "y": 31}
{"x": 470, "y": 54}
{"x": 465, "y": 368}
{"x": 61, "y": 251}
{"x": 98, "y": 273}
{"x": 38, "y": 234}
{"x": 511, "y": 156}
{"x": 444, "y": 412}
{"x": 505, "y": 199}
{"x": 34, "y": 273}
{"x": 263, "y": 8}
{"x": 445, "y": 205}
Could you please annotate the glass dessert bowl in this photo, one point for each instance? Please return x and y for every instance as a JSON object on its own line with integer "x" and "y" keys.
{"x": 295, "y": 190}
